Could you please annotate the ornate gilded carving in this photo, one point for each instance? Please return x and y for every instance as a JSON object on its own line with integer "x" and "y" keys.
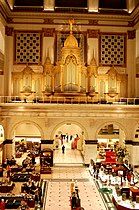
{"x": 131, "y": 34}
{"x": 92, "y": 33}
{"x": 9, "y": 31}
{"x": 112, "y": 82}
{"x": 9, "y": 20}
{"x": 48, "y": 32}
{"x": 93, "y": 22}
{"x": 27, "y": 79}
{"x": 48, "y": 21}
{"x": 70, "y": 77}
{"x": 48, "y": 76}
{"x": 130, "y": 23}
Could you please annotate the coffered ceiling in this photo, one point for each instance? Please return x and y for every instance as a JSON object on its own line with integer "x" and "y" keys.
{"x": 114, "y": 12}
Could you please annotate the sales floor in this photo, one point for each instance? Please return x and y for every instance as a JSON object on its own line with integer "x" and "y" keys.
{"x": 68, "y": 167}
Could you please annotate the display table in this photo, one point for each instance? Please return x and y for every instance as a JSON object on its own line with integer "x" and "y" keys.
{"x": 20, "y": 177}
{"x": 134, "y": 192}
{"x": 123, "y": 205}
{"x": 6, "y": 188}
{"x": 14, "y": 201}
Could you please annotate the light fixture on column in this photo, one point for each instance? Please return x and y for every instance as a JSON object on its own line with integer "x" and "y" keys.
{"x": 92, "y": 6}
{"x": 48, "y": 5}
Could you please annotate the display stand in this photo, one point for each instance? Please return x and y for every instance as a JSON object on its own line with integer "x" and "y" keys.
{"x": 46, "y": 161}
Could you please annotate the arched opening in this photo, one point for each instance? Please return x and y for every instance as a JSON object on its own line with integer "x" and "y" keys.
{"x": 109, "y": 137}
{"x": 1, "y": 141}
{"x": 26, "y": 141}
{"x": 72, "y": 137}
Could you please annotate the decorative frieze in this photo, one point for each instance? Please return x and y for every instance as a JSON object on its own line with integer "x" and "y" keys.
{"x": 131, "y": 34}
{"x": 48, "y": 21}
{"x": 93, "y": 22}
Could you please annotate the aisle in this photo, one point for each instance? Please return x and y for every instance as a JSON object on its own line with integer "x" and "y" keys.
{"x": 69, "y": 157}
{"x": 58, "y": 193}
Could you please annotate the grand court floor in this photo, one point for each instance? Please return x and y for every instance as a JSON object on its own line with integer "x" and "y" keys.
{"x": 68, "y": 167}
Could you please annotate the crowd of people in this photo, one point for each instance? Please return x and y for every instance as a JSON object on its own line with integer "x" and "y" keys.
{"x": 33, "y": 188}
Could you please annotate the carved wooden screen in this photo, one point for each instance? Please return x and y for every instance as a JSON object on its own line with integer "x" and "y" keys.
{"x": 112, "y": 49}
{"x": 27, "y": 47}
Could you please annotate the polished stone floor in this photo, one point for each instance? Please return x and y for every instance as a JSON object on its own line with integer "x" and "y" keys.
{"x": 63, "y": 174}
{"x": 69, "y": 157}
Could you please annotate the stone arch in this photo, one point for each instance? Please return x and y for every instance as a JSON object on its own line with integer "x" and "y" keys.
{"x": 69, "y": 121}
{"x": 26, "y": 121}
{"x": 107, "y": 123}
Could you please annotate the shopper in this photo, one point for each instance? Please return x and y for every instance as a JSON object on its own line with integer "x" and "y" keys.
{"x": 63, "y": 149}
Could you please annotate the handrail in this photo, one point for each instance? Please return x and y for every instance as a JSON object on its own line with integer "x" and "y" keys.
{"x": 66, "y": 100}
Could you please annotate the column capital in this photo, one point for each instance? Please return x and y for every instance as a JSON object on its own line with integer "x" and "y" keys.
{"x": 131, "y": 142}
{"x": 48, "y": 32}
{"x": 131, "y": 34}
{"x": 128, "y": 142}
{"x": 9, "y": 31}
{"x": 91, "y": 141}
{"x": 7, "y": 141}
{"x": 43, "y": 141}
{"x": 92, "y": 33}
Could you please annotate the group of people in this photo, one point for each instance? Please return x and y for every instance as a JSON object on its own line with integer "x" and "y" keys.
{"x": 29, "y": 161}
{"x": 9, "y": 161}
{"x": 31, "y": 187}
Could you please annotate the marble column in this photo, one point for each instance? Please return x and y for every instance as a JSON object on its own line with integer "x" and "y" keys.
{"x": 90, "y": 151}
{"x": 93, "y": 5}
{"x": 131, "y": 62}
{"x": 133, "y": 149}
{"x": 48, "y": 42}
{"x": 92, "y": 42}
{"x": 8, "y": 66}
{"x": 47, "y": 144}
{"x": 135, "y": 153}
{"x": 49, "y": 5}
{"x": 7, "y": 148}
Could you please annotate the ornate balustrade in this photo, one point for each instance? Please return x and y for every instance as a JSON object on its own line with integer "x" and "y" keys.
{"x": 67, "y": 100}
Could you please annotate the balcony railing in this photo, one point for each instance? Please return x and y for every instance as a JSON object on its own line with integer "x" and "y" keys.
{"x": 67, "y": 100}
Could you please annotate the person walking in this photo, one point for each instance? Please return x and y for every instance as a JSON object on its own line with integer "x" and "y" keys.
{"x": 2, "y": 204}
{"x": 63, "y": 149}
